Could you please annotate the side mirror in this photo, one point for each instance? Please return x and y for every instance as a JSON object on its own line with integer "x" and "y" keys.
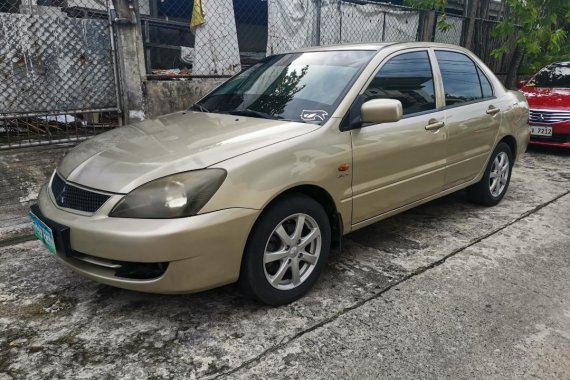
{"x": 521, "y": 83}
{"x": 381, "y": 111}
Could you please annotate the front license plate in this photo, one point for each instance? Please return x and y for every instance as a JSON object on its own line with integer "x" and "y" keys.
{"x": 540, "y": 131}
{"x": 43, "y": 233}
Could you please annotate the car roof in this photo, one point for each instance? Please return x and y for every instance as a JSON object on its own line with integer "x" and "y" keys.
{"x": 377, "y": 46}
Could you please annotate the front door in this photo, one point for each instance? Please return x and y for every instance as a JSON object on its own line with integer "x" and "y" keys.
{"x": 395, "y": 164}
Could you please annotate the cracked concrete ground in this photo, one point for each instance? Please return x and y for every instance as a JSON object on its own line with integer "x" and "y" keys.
{"x": 447, "y": 290}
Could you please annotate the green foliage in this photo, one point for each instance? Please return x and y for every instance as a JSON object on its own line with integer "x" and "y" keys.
{"x": 436, "y": 5}
{"x": 442, "y": 23}
{"x": 541, "y": 28}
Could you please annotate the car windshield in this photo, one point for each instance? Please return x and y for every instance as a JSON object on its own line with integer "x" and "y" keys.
{"x": 556, "y": 75}
{"x": 305, "y": 87}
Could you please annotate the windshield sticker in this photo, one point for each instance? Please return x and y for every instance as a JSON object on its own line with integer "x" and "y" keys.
{"x": 314, "y": 115}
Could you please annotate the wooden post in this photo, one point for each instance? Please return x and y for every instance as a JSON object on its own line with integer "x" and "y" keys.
{"x": 428, "y": 26}
{"x": 471, "y": 26}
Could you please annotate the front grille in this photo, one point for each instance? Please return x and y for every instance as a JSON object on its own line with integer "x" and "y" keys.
{"x": 548, "y": 116}
{"x": 73, "y": 197}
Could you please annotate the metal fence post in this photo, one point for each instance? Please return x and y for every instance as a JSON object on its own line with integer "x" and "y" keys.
{"x": 340, "y": 22}
{"x": 384, "y": 26}
{"x": 318, "y": 21}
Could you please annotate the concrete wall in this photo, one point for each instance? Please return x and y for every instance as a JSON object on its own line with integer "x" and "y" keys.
{"x": 164, "y": 97}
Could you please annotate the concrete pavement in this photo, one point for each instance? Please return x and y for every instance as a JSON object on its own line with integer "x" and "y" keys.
{"x": 448, "y": 289}
{"x": 499, "y": 309}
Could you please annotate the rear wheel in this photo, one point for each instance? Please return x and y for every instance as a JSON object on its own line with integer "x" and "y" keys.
{"x": 495, "y": 182}
{"x": 286, "y": 250}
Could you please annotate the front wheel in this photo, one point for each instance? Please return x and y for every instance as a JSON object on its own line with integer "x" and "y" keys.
{"x": 286, "y": 250}
{"x": 495, "y": 182}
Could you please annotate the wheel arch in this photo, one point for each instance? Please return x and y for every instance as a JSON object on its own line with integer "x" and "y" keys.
{"x": 250, "y": 274}
{"x": 324, "y": 198}
{"x": 512, "y": 143}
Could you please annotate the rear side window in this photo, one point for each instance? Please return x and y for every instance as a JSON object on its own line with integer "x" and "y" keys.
{"x": 485, "y": 84}
{"x": 461, "y": 81}
{"x": 408, "y": 78}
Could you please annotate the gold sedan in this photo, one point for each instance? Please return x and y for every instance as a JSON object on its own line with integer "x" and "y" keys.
{"x": 258, "y": 179}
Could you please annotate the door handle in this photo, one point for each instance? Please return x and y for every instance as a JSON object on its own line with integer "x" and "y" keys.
{"x": 434, "y": 125}
{"x": 493, "y": 111}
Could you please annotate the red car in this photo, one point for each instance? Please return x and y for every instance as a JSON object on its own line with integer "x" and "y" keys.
{"x": 548, "y": 96}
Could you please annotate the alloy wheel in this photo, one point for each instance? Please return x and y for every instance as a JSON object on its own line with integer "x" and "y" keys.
{"x": 499, "y": 174}
{"x": 292, "y": 251}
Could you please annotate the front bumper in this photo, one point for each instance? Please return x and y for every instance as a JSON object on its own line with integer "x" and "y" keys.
{"x": 544, "y": 142}
{"x": 197, "y": 253}
{"x": 560, "y": 135}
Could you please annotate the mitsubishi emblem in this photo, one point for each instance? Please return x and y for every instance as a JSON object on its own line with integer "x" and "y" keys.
{"x": 61, "y": 196}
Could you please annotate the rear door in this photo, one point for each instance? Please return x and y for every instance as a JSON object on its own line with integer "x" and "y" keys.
{"x": 472, "y": 116}
{"x": 395, "y": 164}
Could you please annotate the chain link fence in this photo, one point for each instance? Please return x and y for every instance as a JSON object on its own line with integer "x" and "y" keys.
{"x": 58, "y": 84}
{"x": 218, "y": 38}
{"x": 451, "y": 32}
{"x": 58, "y": 80}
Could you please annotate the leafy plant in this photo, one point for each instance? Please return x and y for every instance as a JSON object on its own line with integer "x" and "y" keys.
{"x": 541, "y": 27}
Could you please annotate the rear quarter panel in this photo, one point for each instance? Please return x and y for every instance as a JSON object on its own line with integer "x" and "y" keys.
{"x": 515, "y": 120}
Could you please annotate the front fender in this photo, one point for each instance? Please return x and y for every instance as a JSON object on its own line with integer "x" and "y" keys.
{"x": 258, "y": 177}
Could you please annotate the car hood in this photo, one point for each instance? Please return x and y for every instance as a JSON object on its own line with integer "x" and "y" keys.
{"x": 547, "y": 98}
{"x": 124, "y": 158}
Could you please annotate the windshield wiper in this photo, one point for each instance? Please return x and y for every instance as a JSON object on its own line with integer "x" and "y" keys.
{"x": 198, "y": 107}
{"x": 249, "y": 112}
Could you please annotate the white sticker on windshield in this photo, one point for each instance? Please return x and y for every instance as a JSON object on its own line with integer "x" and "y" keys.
{"x": 314, "y": 115}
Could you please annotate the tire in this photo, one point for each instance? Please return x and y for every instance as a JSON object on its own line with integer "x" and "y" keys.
{"x": 495, "y": 182}
{"x": 272, "y": 253}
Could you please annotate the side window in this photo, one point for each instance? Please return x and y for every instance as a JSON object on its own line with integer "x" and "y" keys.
{"x": 460, "y": 79}
{"x": 485, "y": 84}
{"x": 408, "y": 78}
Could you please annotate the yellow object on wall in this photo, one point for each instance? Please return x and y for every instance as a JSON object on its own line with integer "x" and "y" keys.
{"x": 197, "y": 15}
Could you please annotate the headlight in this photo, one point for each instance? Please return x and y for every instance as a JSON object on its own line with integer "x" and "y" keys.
{"x": 175, "y": 196}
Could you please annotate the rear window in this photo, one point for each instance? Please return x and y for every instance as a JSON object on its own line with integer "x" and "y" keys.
{"x": 556, "y": 75}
